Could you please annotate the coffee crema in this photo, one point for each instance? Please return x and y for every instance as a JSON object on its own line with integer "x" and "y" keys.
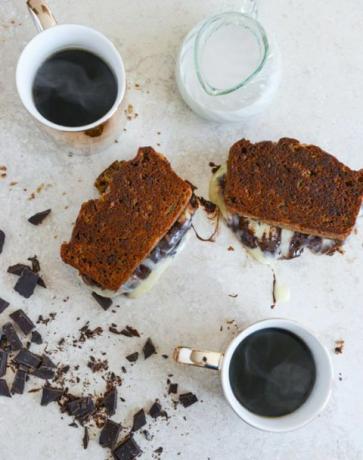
{"x": 272, "y": 372}
{"x": 74, "y": 87}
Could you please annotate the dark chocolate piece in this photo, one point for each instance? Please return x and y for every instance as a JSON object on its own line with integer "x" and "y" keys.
{"x": 50, "y": 394}
{"x": 155, "y": 410}
{"x": 110, "y": 401}
{"x": 133, "y": 357}
{"x": 35, "y": 264}
{"x": 4, "y": 389}
{"x": 19, "y": 382}
{"x": 47, "y": 362}
{"x": 3, "y": 304}
{"x": 133, "y": 332}
{"x": 109, "y": 434}
{"x": 17, "y": 269}
{"x": 85, "y": 439}
{"x": 36, "y": 338}
{"x": 26, "y": 283}
{"x": 104, "y": 302}
{"x": 158, "y": 451}
{"x": 127, "y": 450}
{"x": 44, "y": 372}
{"x": 81, "y": 407}
{"x": 139, "y": 420}
{"x": 12, "y": 337}
{"x": 3, "y": 362}
{"x": 28, "y": 359}
{"x": 2, "y": 240}
{"x": 39, "y": 217}
{"x": 149, "y": 348}
{"x": 173, "y": 388}
{"x": 187, "y": 399}
{"x": 23, "y": 321}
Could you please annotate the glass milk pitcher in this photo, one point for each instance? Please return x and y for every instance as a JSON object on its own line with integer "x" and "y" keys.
{"x": 227, "y": 68}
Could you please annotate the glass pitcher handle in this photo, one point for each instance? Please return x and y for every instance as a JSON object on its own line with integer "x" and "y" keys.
{"x": 249, "y": 7}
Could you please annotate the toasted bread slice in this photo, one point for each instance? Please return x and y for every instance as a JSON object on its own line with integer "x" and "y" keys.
{"x": 141, "y": 200}
{"x": 291, "y": 185}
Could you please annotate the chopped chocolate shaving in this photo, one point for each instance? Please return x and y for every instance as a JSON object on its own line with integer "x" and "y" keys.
{"x": 139, "y": 420}
{"x": 97, "y": 365}
{"x": 173, "y": 388}
{"x": 2, "y": 241}
{"x": 110, "y": 401}
{"x": 12, "y": 337}
{"x": 230, "y": 248}
{"x": 81, "y": 408}
{"x": 155, "y": 410}
{"x": 110, "y": 434}
{"x": 44, "y": 372}
{"x": 339, "y": 347}
{"x": 28, "y": 359}
{"x": 3, "y": 362}
{"x": 149, "y": 348}
{"x": 35, "y": 264}
{"x": 26, "y": 283}
{"x": 36, "y": 338}
{"x": 23, "y": 321}
{"x": 85, "y": 439}
{"x": 133, "y": 357}
{"x": 4, "y": 389}
{"x": 104, "y": 302}
{"x": 127, "y": 450}
{"x": 187, "y": 399}
{"x": 3, "y": 304}
{"x": 19, "y": 382}
{"x": 39, "y": 217}
{"x": 45, "y": 321}
{"x": 50, "y": 394}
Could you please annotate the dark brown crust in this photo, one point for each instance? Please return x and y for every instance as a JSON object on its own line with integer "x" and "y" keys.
{"x": 142, "y": 199}
{"x": 295, "y": 186}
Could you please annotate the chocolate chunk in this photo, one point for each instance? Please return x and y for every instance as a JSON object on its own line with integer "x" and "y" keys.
{"x": 44, "y": 372}
{"x": 104, "y": 302}
{"x": 50, "y": 394}
{"x": 187, "y": 399}
{"x": 47, "y": 362}
{"x": 12, "y": 337}
{"x": 41, "y": 283}
{"x": 158, "y": 451}
{"x": 81, "y": 407}
{"x": 110, "y": 401}
{"x": 36, "y": 338}
{"x": 134, "y": 332}
{"x": 155, "y": 410}
{"x": 173, "y": 388}
{"x": 127, "y": 450}
{"x": 23, "y": 321}
{"x": 133, "y": 357}
{"x": 149, "y": 349}
{"x": 17, "y": 269}
{"x": 39, "y": 217}
{"x": 139, "y": 420}
{"x": 85, "y": 439}
{"x": 28, "y": 359}
{"x": 3, "y": 362}
{"x": 26, "y": 283}
{"x": 3, "y": 304}
{"x": 19, "y": 382}
{"x": 4, "y": 389}
{"x": 109, "y": 434}
{"x": 2, "y": 240}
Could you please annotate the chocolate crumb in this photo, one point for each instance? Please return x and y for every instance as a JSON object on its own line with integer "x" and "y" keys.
{"x": 139, "y": 420}
{"x": 339, "y": 347}
{"x": 85, "y": 439}
{"x": 187, "y": 399}
{"x": 26, "y": 283}
{"x": 155, "y": 410}
{"x": 104, "y": 302}
{"x": 230, "y": 248}
{"x": 3, "y": 304}
{"x": 23, "y": 321}
{"x": 173, "y": 388}
{"x": 4, "y": 389}
{"x": 214, "y": 167}
{"x": 147, "y": 435}
{"x": 149, "y": 349}
{"x": 2, "y": 241}
{"x": 73, "y": 425}
{"x": 133, "y": 357}
{"x": 234, "y": 296}
{"x": 38, "y": 218}
{"x": 36, "y": 338}
{"x": 165, "y": 356}
{"x": 128, "y": 449}
{"x": 109, "y": 434}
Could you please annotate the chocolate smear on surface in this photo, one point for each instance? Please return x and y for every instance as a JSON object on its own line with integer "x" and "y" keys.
{"x": 2, "y": 241}
{"x": 149, "y": 349}
{"x": 50, "y": 394}
{"x": 128, "y": 449}
{"x": 139, "y": 420}
{"x": 85, "y": 439}
{"x": 26, "y": 283}
{"x": 36, "y": 338}
{"x": 23, "y": 321}
{"x": 3, "y": 304}
{"x": 104, "y": 302}
{"x": 12, "y": 337}
{"x": 109, "y": 434}
{"x": 38, "y": 218}
{"x": 4, "y": 389}
{"x": 187, "y": 399}
{"x": 133, "y": 357}
{"x": 3, "y": 362}
{"x": 19, "y": 382}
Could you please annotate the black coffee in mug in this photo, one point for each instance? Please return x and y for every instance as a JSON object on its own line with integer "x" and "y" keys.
{"x": 74, "y": 87}
{"x": 272, "y": 372}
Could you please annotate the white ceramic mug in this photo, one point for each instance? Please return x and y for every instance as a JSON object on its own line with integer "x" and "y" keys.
{"x": 316, "y": 401}
{"x": 52, "y": 38}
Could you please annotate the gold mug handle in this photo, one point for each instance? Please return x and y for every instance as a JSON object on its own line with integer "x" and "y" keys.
{"x": 41, "y": 14}
{"x": 207, "y": 359}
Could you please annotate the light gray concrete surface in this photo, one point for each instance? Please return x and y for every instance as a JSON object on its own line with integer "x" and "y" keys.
{"x": 320, "y": 101}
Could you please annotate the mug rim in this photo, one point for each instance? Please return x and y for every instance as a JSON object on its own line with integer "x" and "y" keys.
{"x": 267, "y": 423}
{"x": 121, "y": 79}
